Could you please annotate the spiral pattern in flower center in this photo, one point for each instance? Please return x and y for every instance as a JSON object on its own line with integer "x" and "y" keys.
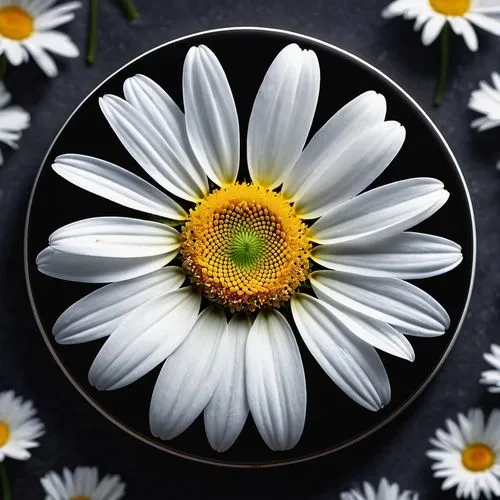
{"x": 245, "y": 248}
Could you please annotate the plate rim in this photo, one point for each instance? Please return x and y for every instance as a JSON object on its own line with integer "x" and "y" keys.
{"x": 280, "y": 462}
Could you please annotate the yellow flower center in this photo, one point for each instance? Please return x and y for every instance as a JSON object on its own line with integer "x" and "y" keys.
{"x": 79, "y": 497}
{"x": 15, "y": 23}
{"x": 4, "y": 433}
{"x": 245, "y": 248}
{"x": 478, "y": 457}
{"x": 451, "y": 7}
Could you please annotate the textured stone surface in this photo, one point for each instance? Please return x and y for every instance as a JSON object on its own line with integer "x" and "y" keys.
{"x": 76, "y": 433}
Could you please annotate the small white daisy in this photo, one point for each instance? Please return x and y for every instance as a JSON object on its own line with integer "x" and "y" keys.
{"x": 432, "y": 15}
{"x": 27, "y": 27}
{"x": 492, "y": 377}
{"x": 468, "y": 455}
{"x": 18, "y": 427}
{"x": 13, "y": 119}
{"x": 386, "y": 491}
{"x": 82, "y": 484}
{"x": 486, "y": 100}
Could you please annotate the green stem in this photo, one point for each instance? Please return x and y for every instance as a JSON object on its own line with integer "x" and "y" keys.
{"x": 3, "y": 66}
{"x": 92, "y": 35}
{"x": 4, "y": 480}
{"x": 444, "y": 63}
{"x": 129, "y": 10}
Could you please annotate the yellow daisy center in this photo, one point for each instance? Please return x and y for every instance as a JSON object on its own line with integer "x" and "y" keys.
{"x": 245, "y": 247}
{"x": 4, "y": 433}
{"x": 451, "y": 7}
{"x": 478, "y": 457}
{"x": 79, "y": 497}
{"x": 15, "y": 23}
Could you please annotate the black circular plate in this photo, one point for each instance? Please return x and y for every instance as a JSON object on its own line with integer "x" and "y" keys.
{"x": 333, "y": 420}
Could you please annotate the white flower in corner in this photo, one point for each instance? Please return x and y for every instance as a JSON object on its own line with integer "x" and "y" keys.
{"x": 19, "y": 427}
{"x": 491, "y": 378}
{"x": 385, "y": 491}
{"x": 27, "y": 28}
{"x": 13, "y": 119}
{"x": 82, "y": 484}
{"x": 248, "y": 248}
{"x": 432, "y": 15}
{"x": 467, "y": 455}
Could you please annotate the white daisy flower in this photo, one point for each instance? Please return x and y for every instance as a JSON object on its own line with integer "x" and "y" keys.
{"x": 386, "y": 491}
{"x": 467, "y": 455}
{"x": 432, "y": 16}
{"x": 19, "y": 428}
{"x": 491, "y": 378}
{"x": 82, "y": 484}
{"x": 248, "y": 249}
{"x": 486, "y": 100}
{"x": 27, "y": 27}
{"x": 13, "y": 119}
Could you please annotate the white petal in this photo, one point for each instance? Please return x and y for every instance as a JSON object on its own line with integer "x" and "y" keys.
{"x": 162, "y": 112}
{"x": 374, "y": 332}
{"x": 351, "y": 363}
{"x": 275, "y": 381}
{"x": 87, "y": 269}
{"x": 166, "y": 165}
{"x": 115, "y": 237}
{"x": 189, "y": 376}
{"x": 380, "y": 212}
{"x": 406, "y": 255}
{"x": 488, "y": 23}
{"x": 150, "y": 334}
{"x": 211, "y": 117}
{"x": 56, "y": 42}
{"x": 99, "y": 313}
{"x": 116, "y": 184}
{"x": 432, "y": 28}
{"x": 462, "y": 27}
{"x": 227, "y": 410}
{"x": 282, "y": 115}
{"x": 56, "y": 16}
{"x": 353, "y": 170}
{"x": 387, "y": 299}
{"x": 44, "y": 60}
{"x": 344, "y": 127}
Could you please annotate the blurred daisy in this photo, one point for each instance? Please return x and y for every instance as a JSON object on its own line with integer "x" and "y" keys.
{"x": 13, "y": 119}
{"x": 385, "y": 491}
{"x": 486, "y": 100}
{"x": 432, "y": 15}
{"x": 492, "y": 377}
{"x": 467, "y": 455}
{"x": 248, "y": 249}
{"x": 19, "y": 429}
{"x": 82, "y": 484}
{"x": 27, "y": 27}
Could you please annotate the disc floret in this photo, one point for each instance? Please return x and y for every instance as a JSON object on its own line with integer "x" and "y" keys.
{"x": 245, "y": 247}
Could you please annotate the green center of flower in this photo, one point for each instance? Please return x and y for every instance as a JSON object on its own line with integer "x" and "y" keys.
{"x": 245, "y": 247}
{"x": 451, "y": 7}
{"x": 15, "y": 23}
{"x": 478, "y": 457}
{"x": 4, "y": 433}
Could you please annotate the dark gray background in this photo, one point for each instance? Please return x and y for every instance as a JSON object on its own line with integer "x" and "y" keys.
{"x": 76, "y": 433}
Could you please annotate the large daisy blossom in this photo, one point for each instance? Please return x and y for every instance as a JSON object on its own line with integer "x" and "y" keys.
{"x": 27, "y": 28}
{"x": 491, "y": 377}
{"x": 13, "y": 119}
{"x": 82, "y": 484}
{"x": 248, "y": 248}
{"x": 467, "y": 454}
{"x": 432, "y": 15}
{"x": 385, "y": 491}
{"x": 19, "y": 427}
